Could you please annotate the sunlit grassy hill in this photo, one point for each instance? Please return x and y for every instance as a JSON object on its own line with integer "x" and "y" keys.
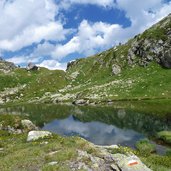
{"x": 20, "y": 84}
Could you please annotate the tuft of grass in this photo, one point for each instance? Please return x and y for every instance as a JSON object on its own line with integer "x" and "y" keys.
{"x": 165, "y": 136}
{"x": 144, "y": 146}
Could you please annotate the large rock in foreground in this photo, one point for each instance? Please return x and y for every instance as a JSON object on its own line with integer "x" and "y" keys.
{"x": 35, "y": 135}
{"x": 129, "y": 163}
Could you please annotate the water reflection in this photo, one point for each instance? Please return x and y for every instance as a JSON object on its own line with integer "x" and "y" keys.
{"x": 100, "y": 125}
{"x": 97, "y": 132}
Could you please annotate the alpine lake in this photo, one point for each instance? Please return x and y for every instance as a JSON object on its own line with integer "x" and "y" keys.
{"x": 120, "y": 123}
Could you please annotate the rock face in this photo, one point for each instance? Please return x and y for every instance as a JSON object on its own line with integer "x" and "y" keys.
{"x": 35, "y": 135}
{"x": 151, "y": 50}
{"x": 153, "y": 45}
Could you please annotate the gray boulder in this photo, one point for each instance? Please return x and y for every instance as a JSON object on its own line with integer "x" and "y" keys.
{"x": 80, "y": 102}
{"x": 32, "y": 67}
{"x": 35, "y": 135}
{"x": 28, "y": 125}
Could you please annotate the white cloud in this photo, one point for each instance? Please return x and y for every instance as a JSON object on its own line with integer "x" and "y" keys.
{"x": 43, "y": 49}
{"x": 32, "y": 34}
{"x": 138, "y": 12}
{"x": 63, "y": 50}
{"x": 53, "y": 65}
{"x": 19, "y": 60}
{"x": 25, "y": 22}
{"x": 104, "y": 3}
{"x": 90, "y": 37}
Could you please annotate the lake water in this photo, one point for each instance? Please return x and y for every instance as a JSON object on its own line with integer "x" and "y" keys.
{"x": 118, "y": 124}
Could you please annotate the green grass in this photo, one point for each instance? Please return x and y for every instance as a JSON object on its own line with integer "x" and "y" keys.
{"x": 155, "y": 33}
{"x": 165, "y": 136}
{"x": 12, "y": 120}
{"x": 32, "y": 84}
{"x": 152, "y": 82}
{"x": 144, "y": 146}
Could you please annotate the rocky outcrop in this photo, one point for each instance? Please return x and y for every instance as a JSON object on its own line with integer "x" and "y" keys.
{"x": 153, "y": 45}
{"x": 106, "y": 161}
{"x": 148, "y": 50}
{"x": 5, "y": 66}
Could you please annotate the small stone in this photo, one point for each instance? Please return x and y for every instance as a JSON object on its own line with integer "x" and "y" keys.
{"x": 1, "y": 149}
{"x": 80, "y": 102}
{"x": 35, "y": 135}
{"x": 107, "y": 146}
{"x": 44, "y": 143}
{"x": 53, "y": 163}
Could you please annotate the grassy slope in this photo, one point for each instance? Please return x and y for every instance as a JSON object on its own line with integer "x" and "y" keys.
{"x": 37, "y": 82}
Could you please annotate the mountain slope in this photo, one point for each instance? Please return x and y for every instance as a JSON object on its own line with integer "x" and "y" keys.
{"x": 138, "y": 69}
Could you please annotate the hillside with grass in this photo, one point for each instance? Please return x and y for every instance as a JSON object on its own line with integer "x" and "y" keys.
{"x": 18, "y": 84}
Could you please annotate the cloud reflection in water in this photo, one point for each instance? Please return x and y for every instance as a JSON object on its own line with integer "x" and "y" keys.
{"x": 96, "y": 132}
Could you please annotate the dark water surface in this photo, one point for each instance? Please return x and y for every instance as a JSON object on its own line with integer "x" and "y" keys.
{"x": 100, "y": 125}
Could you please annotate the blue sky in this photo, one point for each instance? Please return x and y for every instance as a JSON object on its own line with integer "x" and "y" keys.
{"x": 50, "y": 33}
